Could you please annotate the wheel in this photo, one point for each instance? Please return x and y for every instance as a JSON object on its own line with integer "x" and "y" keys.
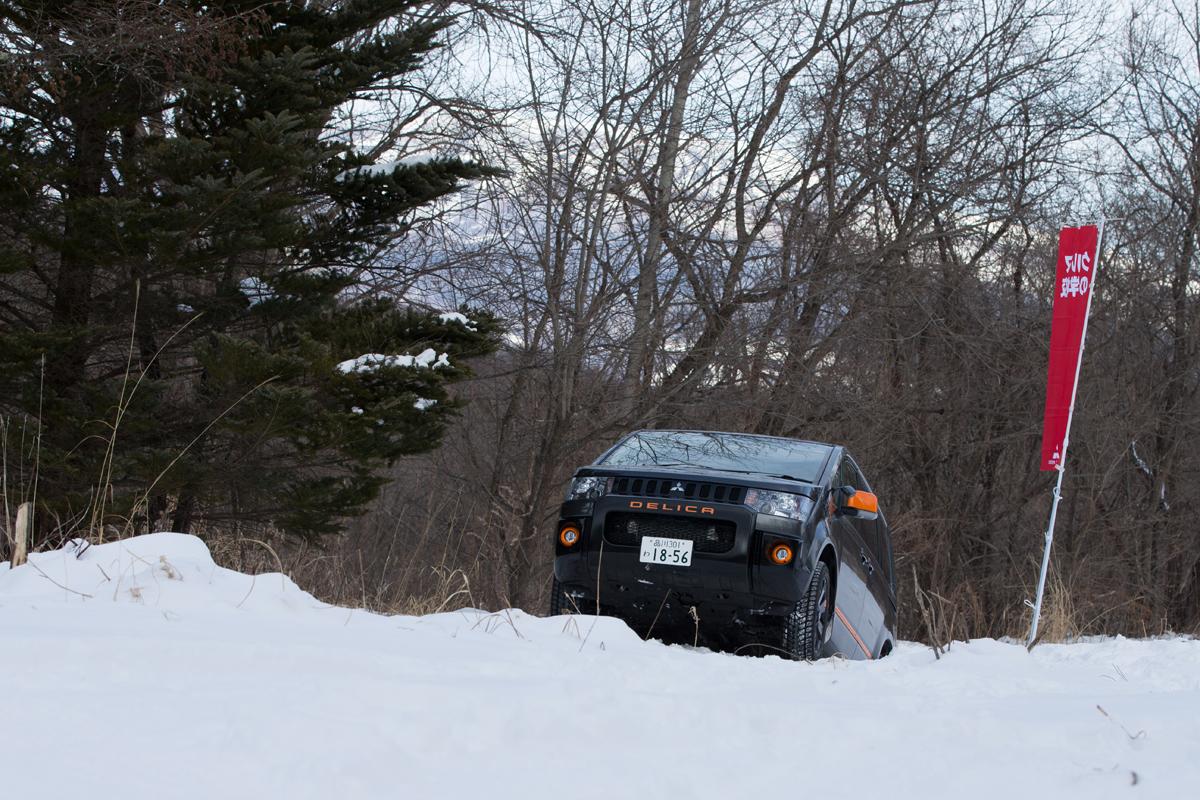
{"x": 804, "y": 628}
{"x": 559, "y": 602}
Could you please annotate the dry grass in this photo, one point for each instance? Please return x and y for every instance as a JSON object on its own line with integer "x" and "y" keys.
{"x": 18, "y": 484}
{"x": 390, "y": 567}
{"x": 1061, "y": 620}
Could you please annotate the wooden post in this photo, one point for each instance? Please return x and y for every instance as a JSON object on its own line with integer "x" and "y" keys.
{"x": 22, "y": 531}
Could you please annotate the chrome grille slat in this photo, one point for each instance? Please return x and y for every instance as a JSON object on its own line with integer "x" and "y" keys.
{"x": 691, "y": 490}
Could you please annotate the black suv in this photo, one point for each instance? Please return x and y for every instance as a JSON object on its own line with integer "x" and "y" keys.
{"x": 746, "y": 542}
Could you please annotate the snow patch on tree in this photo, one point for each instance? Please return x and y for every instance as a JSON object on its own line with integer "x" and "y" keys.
{"x": 386, "y": 167}
{"x": 372, "y": 362}
{"x": 461, "y": 319}
{"x": 256, "y": 290}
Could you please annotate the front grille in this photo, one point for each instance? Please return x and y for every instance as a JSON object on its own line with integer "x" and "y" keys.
{"x": 684, "y": 490}
{"x": 707, "y": 535}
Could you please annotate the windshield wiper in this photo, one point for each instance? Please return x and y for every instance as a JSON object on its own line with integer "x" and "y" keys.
{"x": 765, "y": 474}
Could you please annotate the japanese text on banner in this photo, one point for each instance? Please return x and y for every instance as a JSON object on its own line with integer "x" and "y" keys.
{"x": 1074, "y": 280}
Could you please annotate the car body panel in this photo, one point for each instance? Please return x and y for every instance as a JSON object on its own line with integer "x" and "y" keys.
{"x": 731, "y": 586}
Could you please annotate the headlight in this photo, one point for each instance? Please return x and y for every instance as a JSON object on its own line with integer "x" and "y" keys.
{"x": 583, "y": 488}
{"x": 779, "y": 504}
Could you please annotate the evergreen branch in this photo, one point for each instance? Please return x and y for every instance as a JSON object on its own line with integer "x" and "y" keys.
{"x": 146, "y": 495}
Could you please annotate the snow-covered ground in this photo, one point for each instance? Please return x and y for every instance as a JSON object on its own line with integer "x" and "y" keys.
{"x": 143, "y": 670}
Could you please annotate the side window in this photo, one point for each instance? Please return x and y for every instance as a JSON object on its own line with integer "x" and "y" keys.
{"x": 889, "y": 564}
{"x": 842, "y": 476}
{"x": 858, "y": 480}
{"x": 872, "y": 531}
{"x": 845, "y": 474}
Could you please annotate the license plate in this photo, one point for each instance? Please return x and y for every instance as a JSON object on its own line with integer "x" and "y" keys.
{"x": 676, "y": 552}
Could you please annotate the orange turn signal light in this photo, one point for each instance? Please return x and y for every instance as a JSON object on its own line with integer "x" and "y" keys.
{"x": 782, "y": 553}
{"x": 569, "y": 535}
{"x": 865, "y": 503}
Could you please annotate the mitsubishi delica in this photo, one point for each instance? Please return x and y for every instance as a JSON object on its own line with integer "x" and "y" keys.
{"x": 759, "y": 544}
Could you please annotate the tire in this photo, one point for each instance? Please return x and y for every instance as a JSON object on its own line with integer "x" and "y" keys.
{"x": 804, "y": 629}
{"x": 559, "y": 602}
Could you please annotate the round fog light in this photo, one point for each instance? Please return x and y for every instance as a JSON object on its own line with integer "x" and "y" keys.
{"x": 569, "y": 536}
{"x": 782, "y": 553}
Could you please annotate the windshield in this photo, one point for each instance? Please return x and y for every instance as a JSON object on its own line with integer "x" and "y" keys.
{"x": 732, "y": 452}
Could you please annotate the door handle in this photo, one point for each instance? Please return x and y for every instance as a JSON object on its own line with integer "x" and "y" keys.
{"x": 866, "y": 562}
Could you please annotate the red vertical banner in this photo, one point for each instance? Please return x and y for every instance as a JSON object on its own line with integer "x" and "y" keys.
{"x": 1072, "y": 294}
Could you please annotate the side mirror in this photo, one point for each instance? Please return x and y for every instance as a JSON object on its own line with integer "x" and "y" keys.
{"x": 857, "y": 504}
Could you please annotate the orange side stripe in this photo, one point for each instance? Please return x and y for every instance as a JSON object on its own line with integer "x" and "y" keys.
{"x": 853, "y": 633}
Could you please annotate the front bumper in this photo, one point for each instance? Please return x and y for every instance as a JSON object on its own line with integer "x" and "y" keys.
{"x": 738, "y": 584}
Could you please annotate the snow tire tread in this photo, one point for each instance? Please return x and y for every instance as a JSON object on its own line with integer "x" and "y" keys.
{"x": 800, "y": 627}
{"x": 559, "y": 602}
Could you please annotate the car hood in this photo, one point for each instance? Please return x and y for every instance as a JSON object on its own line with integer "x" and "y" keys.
{"x": 701, "y": 475}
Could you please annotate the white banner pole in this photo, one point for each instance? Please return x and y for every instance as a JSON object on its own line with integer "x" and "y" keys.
{"x": 1062, "y": 462}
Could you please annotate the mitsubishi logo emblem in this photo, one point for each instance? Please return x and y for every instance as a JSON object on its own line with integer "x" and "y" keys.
{"x": 676, "y": 488}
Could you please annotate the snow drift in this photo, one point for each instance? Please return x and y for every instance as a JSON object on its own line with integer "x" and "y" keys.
{"x": 141, "y": 669}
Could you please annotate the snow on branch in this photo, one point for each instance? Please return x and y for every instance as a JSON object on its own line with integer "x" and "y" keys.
{"x": 372, "y": 362}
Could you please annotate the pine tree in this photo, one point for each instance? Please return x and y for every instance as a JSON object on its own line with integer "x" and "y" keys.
{"x": 179, "y": 238}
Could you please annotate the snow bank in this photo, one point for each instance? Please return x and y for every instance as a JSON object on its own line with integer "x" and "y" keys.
{"x": 140, "y": 669}
{"x": 171, "y": 572}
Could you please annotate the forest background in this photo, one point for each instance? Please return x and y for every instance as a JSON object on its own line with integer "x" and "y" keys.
{"x": 830, "y": 220}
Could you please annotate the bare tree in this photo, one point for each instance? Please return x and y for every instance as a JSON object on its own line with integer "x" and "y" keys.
{"x": 833, "y": 221}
